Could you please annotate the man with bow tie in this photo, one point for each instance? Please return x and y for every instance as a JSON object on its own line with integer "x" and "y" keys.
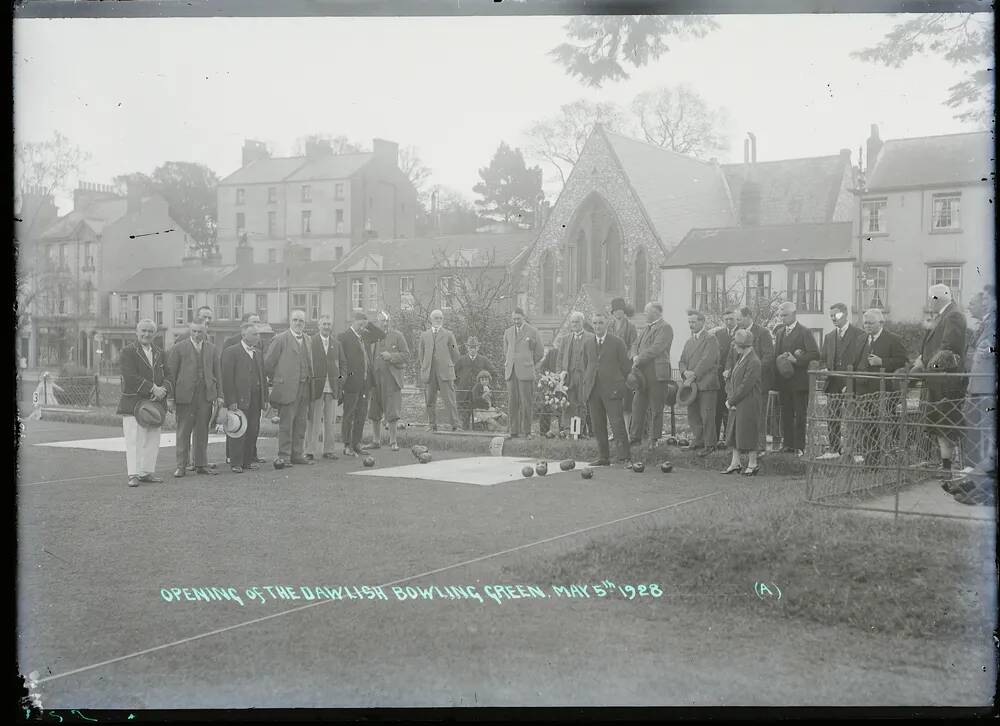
{"x": 288, "y": 363}
{"x": 143, "y": 377}
{"x": 326, "y": 356}
{"x": 523, "y": 351}
{"x": 576, "y": 352}
{"x": 244, "y": 387}
{"x": 193, "y": 368}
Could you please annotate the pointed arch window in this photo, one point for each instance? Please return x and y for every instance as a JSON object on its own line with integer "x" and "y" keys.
{"x": 641, "y": 276}
{"x": 548, "y": 284}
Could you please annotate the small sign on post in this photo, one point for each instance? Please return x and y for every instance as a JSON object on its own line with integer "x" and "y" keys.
{"x": 496, "y": 446}
{"x": 574, "y": 426}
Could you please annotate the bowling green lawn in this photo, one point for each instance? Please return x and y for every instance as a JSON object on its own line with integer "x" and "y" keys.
{"x": 871, "y": 611}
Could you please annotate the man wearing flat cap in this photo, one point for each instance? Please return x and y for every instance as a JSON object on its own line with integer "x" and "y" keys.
{"x": 467, "y": 370}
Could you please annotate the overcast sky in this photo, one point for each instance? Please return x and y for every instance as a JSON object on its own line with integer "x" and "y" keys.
{"x": 136, "y": 93}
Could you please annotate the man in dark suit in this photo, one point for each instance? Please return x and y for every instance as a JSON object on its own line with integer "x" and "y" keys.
{"x": 193, "y": 369}
{"x": 203, "y": 315}
{"x": 467, "y": 369}
{"x": 881, "y": 352}
{"x": 841, "y": 351}
{"x": 288, "y": 363}
{"x": 244, "y": 387}
{"x": 796, "y": 344}
{"x": 357, "y": 375}
{"x": 651, "y": 355}
{"x": 576, "y": 351}
{"x": 950, "y": 330}
{"x": 326, "y": 356}
{"x": 604, "y": 389}
{"x": 236, "y": 340}
{"x": 699, "y": 364}
{"x": 763, "y": 346}
{"x": 724, "y": 335}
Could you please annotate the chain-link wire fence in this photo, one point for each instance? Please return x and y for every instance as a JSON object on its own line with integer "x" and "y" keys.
{"x": 885, "y": 432}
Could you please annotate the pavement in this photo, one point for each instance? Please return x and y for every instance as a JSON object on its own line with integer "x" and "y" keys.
{"x": 100, "y": 625}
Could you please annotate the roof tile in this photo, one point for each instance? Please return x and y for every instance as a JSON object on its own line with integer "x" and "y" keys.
{"x": 773, "y": 243}
{"x": 933, "y": 160}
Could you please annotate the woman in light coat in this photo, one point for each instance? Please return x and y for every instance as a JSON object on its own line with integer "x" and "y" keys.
{"x": 743, "y": 402}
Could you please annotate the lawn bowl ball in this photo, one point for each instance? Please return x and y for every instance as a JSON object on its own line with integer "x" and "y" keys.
{"x": 671, "y": 441}
{"x": 279, "y": 463}
{"x": 368, "y": 461}
{"x": 542, "y": 468}
{"x": 638, "y": 467}
{"x": 425, "y": 458}
{"x": 567, "y": 464}
{"x": 418, "y": 449}
{"x": 587, "y": 473}
{"x": 683, "y": 442}
{"x": 527, "y": 472}
{"x": 666, "y": 467}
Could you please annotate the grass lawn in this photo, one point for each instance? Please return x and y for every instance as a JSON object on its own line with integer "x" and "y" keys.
{"x": 919, "y": 576}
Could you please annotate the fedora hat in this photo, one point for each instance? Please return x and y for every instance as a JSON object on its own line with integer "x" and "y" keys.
{"x": 236, "y": 424}
{"x": 671, "y": 397}
{"x": 149, "y": 414}
{"x": 785, "y": 367}
{"x": 687, "y": 393}
{"x": 636, "y": 380}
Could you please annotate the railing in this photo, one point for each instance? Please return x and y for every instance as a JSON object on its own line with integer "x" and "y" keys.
{"x": 889, "y": 427}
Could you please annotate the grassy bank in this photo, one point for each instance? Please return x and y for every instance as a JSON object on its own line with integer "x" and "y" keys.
{"x": 920, "y": 576}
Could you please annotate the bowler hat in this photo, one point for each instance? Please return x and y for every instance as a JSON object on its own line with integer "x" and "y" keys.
{"x": 785, "y": 367}
{"x": 618, "y": 304}
{"x": 149, "y": 414}
{"x": 671, "y": 397}
{"x": 236, "y": 424}
{"x": 687, "y": 392}
{"x": 636, "y": 380}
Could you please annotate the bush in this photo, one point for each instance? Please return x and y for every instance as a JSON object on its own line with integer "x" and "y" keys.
{"x": 912, "y": 334}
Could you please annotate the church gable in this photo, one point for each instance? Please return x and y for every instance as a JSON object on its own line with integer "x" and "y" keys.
{"x": 597, "y": 234}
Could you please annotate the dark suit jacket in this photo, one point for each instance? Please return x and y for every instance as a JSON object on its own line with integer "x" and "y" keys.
{"x": 240, "y": 375}
{"x": 326, "y": 366}
{"x": 652, "y": 349}
{"x": 701, "y": 355}
{"x": 467, "y": 369}
{"x": 853, "y": 344}
{"x": 725, "y": 350}
{"x": 608, "y": 369}
{"x": 283, "y": 366}
{"x": 138, "y": 377}
{"x": 799, "y": 339}
{"x": 352, "y": 364}
{"x": 948, "y": 333}
{"x": 891, "y": 349}
{"x": 181, "y": 368}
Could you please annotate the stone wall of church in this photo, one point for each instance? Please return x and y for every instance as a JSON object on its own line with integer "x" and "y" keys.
{"x": 596, "y": 171}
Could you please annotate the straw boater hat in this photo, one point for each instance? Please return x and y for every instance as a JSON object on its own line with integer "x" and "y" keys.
{"x": 236, "y": 424}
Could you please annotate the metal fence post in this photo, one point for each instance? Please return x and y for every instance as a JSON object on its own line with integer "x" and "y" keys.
{"x": 97, "y": 391}
{"x": 45, "y": 391}
{"x": 904, "y": 436}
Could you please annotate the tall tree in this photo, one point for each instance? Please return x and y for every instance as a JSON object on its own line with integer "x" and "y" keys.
{"x": 48, "y": 165}
{"x": 964, "y": 39}
{"x": 413, "y": 166}
{"x": 190, "y": 191}
{"x": 558, "y": 140}
{"x": 603, "y": 43}
{"x": 509, "y": 189}
{"x": 680, "y": 120}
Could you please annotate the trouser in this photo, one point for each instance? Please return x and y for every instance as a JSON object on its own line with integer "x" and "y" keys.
{"x": 522, "y": 405}
{"x": 464, "y": 402}
{"x": 292, "y": 425}
{"x": 603, "y": 408}
{"x": 323, "y": 419}
{"x": 654, "y": 396}
{"x": 141, "y": 447}
{"x": 793, "y": 418}
{"x": 701, "y": 419}
{"x": 447, "y": 388}
{"x": 835, "y": 412}
{"x": 243, "y": 451}
{"x": 765, "y": 399}
{"x": 193, "y": 420}
{"x": 721, "y": 412}
{"x": 352, "y": 418}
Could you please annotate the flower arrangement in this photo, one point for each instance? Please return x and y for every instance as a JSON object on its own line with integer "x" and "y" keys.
{"x": 553, "y": 389}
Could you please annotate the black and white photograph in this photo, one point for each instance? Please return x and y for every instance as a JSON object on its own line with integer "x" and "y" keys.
{"x": 457, "y": 355}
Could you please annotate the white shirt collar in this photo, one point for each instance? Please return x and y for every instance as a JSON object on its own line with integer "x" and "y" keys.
{"x": 196, "y": 344}
{"x": 875, "y": 337}
{"x": 435, "y": 329}
{"x": 247, "y": 348}
{"x": 601, "y": 339}
{"x": 843, "y": 331}
{"x": 789, "y": 328}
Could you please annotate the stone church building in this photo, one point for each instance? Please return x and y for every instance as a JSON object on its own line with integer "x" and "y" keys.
{"x": 627, "y": 204}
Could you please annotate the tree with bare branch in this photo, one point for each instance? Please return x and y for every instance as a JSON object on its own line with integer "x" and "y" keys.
{"x": 964, "y": 39}
{"x": 47, "y": 166}
{"x": 558, "y": 140}
{"x": 681, "y": 120}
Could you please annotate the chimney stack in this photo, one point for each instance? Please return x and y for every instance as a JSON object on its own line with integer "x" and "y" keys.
{"x": 750, "y": 192}
{"x": 88, "y": 192}
{"x": 874, "y": 147}
{"x": 254, "y": 151}
{"x": 386, "y": 152}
